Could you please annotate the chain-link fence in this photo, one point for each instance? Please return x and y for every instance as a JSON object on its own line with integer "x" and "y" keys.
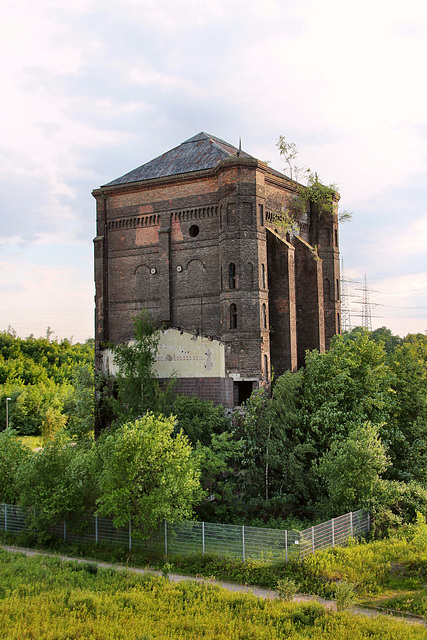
{"x": 335, "y": 532}
{"x": 203, "y": 537}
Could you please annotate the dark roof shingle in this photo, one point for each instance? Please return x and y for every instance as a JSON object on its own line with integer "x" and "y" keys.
{"x": 200, "y": 152}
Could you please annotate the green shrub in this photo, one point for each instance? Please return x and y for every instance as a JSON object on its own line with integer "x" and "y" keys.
{"x": 345, "y": 596}
{"x": 287, "y": 588}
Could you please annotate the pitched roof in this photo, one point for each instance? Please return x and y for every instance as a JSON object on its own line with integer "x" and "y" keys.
{"x": 200, "y": 152}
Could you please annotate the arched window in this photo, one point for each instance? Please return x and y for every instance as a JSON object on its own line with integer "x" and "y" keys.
{"x": 338, "y": 288}
{"x": 266, "y": 367}
{"x": 338, "y": 323}
{"x": 263, "y": 276}
{"x": 233, "y": 316}
{"x": 232, "y": 275}
{"x": 264, "y": 316}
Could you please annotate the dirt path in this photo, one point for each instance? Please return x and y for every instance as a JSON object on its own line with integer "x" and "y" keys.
{"x": 230, "y": 586}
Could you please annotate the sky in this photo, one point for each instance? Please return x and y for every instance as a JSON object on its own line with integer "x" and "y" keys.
{"x": 92, "y": 89}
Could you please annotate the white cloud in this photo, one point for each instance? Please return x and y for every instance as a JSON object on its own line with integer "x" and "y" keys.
{"x": 94, "y": 89}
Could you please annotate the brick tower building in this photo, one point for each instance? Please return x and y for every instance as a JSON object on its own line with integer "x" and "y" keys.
{"x": 192, "y": 236}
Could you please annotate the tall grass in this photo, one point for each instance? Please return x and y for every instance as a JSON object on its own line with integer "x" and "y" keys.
{"x": 47, "y": 599}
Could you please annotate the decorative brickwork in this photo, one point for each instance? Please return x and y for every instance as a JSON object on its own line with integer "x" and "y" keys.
{"x": 191, "y": 236}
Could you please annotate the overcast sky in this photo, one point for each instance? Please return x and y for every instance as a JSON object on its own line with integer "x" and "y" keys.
{"x": 92, "y": 89}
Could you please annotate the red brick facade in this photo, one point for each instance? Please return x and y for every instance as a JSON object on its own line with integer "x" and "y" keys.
{"x": 199, "y": 249}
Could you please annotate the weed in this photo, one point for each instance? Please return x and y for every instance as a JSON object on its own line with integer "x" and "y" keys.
{"x": 166, "y": 569}
{"x": 345, "y": 596}
{"x": 287, "y": 588}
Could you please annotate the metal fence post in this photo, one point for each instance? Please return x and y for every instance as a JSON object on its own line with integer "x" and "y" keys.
{"x": 243, "y": 541}
{"x": 96, "y": 528}
{"x": 166, "y": 537}
{"x": 286, "y": 545}
{"x": 333, "y": 533}
{"x": 203, "y": 538}
{"x": 130, "y": 534}
{"x": 351, "y": 523}
{"x": 312, "y": 539}
{"x": 5, "y": 517}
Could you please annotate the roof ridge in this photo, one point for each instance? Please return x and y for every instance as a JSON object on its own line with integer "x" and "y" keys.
{"x": 204, "y": 152}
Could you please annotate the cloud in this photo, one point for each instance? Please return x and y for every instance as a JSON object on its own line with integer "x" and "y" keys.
{"x": 35, "y": 296}
{"x": 95, "y": 89}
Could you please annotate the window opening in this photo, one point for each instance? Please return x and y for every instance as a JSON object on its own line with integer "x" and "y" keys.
{"x": 233, "y": 316}
{"x": 194, "y": 231}
{"x": 261, "y": 215}
{"x": 263, "y": 276}
{"x": 242, "y": 390}
{"x": 264, "y": 316}
{"x": 232, "y": 275}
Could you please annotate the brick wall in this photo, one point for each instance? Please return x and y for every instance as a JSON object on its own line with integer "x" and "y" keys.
{"x": 169, "y": 244}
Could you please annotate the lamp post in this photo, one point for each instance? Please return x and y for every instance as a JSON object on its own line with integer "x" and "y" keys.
{"x": 7, "y": 412}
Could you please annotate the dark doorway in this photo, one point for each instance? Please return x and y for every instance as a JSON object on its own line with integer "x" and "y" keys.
{"x": 242, "y": 391}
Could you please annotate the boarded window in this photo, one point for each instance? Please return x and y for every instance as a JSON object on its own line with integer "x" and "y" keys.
{"x": 326, "y": 289}
{"x": 249, "y": 275}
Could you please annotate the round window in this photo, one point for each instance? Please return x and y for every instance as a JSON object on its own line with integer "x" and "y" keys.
{"x": 194, "y": 230}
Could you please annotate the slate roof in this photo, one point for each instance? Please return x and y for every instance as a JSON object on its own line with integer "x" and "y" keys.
{"x": 200, "y": 152}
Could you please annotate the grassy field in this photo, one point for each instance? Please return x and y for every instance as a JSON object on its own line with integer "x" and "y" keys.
{"x": 47, "y": 599}
{"x": 389, "y": 574}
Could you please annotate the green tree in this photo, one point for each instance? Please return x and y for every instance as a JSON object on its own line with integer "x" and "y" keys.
{"x": 408, "y": 363}
{"x": 276, "y": 476}
{"x": 321, "y": 199}
{"x": 218, "y": 460}
{"x": 387, "y": 338}
{"x": 351, "y": 383}
{"x": 37, "y": 374}
{"x": 352, "y": 469}
{"x": 12, "y": 455}
{"x": 147, "y": 474}
{"x": 138, "y": 388}
{"x": 59, "y": 481}
{"x": 199, "y": 419}
{"x": 80, "y": 405}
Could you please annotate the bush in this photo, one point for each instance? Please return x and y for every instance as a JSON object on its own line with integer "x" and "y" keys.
{"x": 345, "y": 596}
{"x": 287, "y": 588}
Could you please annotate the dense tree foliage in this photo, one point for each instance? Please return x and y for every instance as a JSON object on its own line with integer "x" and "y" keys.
{"x": 352, "y": 469}
{"x": 12, "y": 455}
{"x": 147, "y": 474}
{"x": 348, "y": 430}
{"x": 39, "y": 376}
{"x": 139, "y": 471}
